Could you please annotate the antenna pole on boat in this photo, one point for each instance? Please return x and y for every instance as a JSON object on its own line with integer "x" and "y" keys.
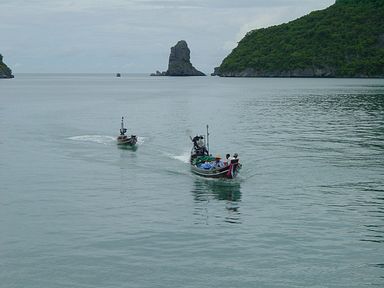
{"x": 207, "y": 140}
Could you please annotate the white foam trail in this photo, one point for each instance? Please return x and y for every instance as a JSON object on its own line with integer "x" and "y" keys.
{"x": 183, "y": 158}
{"x": 140, "y": 140}
{"x": 100, "y": 139}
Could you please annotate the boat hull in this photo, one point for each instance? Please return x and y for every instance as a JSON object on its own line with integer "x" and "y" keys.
{"x": 228, "y": 172}
{"x": 125, "y": 140}
{"x": 203, "y": 164}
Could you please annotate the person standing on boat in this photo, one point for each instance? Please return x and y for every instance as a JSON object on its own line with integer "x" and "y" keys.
{"x": 122, "y": 129}
{"x": 198, "y": 145}
{"x": 227, "y": 159}
{"x": 234, "y": 157}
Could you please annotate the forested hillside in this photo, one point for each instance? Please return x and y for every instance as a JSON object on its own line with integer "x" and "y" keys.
{"x": 344, "y": 40}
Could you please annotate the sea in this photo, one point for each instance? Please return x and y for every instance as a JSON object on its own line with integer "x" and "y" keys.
{"x": 77, "y": 210}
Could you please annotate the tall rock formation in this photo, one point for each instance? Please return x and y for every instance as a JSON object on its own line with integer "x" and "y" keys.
{"x": 5, "y": 72}
{"x": 179, "y": 62}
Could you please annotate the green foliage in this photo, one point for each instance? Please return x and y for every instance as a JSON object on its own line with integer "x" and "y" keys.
{"x": 346, "y": 38}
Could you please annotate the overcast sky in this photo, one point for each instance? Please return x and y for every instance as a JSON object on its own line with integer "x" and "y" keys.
{"x": 132, "y": 36}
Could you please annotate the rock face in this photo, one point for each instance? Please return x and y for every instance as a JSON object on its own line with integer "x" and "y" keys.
{"x": 179, "y": 62}
{"x": 5, "y": 72}
{"x": 158, "y": 73}
{"x": 325, "y": 72}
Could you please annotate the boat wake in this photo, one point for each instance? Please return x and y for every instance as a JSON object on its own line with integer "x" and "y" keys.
{"x": 183, "y": 158}
{"x": 140, "y": 140}
{"x": 101, "y": 139}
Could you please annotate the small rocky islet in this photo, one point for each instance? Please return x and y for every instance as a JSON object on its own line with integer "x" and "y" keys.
{"x": 179, "y": 62}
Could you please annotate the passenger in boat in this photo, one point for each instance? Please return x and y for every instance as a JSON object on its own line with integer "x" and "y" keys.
{"x": 218, "y": 163}
{"x": 227, "y": 160}
{"x": 206, "y": 165}
{"x": 235, "y": 155}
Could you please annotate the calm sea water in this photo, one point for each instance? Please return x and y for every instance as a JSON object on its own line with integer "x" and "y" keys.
{"x": 78, "y": 211}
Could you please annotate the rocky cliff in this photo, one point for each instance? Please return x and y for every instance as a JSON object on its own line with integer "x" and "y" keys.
{"x": 344, "y": 40}
{"x": 5, "y": 72}
{"x": 179, "y": 62}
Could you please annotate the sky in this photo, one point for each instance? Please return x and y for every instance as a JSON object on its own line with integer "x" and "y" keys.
{"x": 132, "y": 36}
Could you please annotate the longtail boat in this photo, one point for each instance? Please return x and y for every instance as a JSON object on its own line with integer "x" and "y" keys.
{"x": 204, "y": 164}
{"x": 123, "y": 139}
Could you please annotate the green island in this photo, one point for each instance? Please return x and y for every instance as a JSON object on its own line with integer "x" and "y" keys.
{"x": 5, "y": 72}
{"x": 344, "y": 40}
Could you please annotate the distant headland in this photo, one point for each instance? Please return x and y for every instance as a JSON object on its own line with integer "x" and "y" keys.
{"x": 179, "y": 62}
{"x": 344, "y": 40}
{"x": 5, "y": 72}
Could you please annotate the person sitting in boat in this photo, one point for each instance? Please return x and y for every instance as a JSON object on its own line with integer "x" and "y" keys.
{"x": 218, "y": 163}
{"x": 206, "y": 165}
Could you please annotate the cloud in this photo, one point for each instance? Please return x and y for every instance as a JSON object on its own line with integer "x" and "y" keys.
{"x": 137, "y": 34}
